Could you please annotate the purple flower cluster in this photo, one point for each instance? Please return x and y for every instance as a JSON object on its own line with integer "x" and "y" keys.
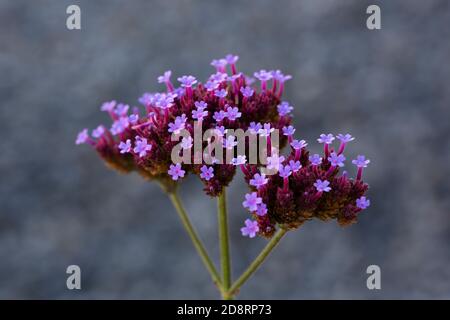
{"x": 305, "y": 187}
{"x": 139, "y": 138}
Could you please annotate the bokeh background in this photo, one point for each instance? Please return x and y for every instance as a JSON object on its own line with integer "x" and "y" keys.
{"x": 59, "y": 205}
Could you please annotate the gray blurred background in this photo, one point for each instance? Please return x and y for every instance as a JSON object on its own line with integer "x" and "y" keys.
{"x": 59, "y": 204}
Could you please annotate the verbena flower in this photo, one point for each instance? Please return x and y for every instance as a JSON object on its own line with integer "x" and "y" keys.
{"x": 303, "y": 187}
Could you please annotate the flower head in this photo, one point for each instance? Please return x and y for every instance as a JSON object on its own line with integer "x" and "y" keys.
{"x": 165, "y": 77}
{"x": 295, "y": 165}
{"x": 263, "y": 75}
{"x": 288, "y": 131}
{"x": 119, "y": 125}
{"x": 211, "y": 85}
{"x": 231, "y": 59}
{"x": 336, "y": 160}
{"x": 187, "y": 81}
{"x": 239, "y": 160}
{"x": 98, "y": 132}
{"x": 261, "y": 209}
{"x": 326, "y": 138}
{"x": 315, "y": 159}
{"x": 176, "y": 172}
{"x": 258, "y": 180}
{"x": 362, "y": 202}
{"x": 233, "y": 113}
{"x": 121, "y": 109}
{"x": 186, "y": 143}
{"x": 274, "y": 161}
{"x": 251, "y": 201}
{"x": 284, "y": 171}
{"x": 279, "y": 76}
{"x": 254, "y": 127}
{"x": 251, "y": 228}
{"x": 219, "y": 115}
{"x": 344, "y": 138}
{"x": 361, "y": 161}
{"x": 222, "y": 93}
{"x": 247, "y": 91}
{"x": 108, "y": 106}
{"x": 82, "y": 137}
{"x": 200, "y": 105}
{"x": 297, "y": 145}
{"x": 206, "y": 172}
{"x": 229, "y": 142}
{"x": 322, "y": 185}
{"x": 141, "y": 146}
{"x": 125, "y": 147}
{"x": 284, "y": 109}
{"x": 199, "y": 114}
{"x": 266, "y": 130}
{"x": 178, "y": 124}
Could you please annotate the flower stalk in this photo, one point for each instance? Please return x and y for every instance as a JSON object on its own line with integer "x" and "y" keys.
{"x": 198, "y": 244}
{"x": 225, "y": 259}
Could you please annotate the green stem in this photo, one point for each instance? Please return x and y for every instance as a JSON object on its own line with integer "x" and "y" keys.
{"x": 225, "y": 260}
{"x": 257, "y": 262}
{"x": 195, "y": 239}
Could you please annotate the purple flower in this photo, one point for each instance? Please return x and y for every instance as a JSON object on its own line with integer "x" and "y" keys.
{"x": 187, "y": 81}
{"x": 186, "y": 143}
{"x": 122, "y": 109}
{"x": 254, "y": 127}
{"x": 199, "y": 114}
{"x": 284, "y": 109}
{"x": 141, "y": 146}
{"x": 288, "y": 131}
{"x": 266, "y": 130}
{"x": 82, "y": 137}
{"x": 125, "y": 147}
{"x": 165, "y": 77}
{"x": 263, "y": 75}
{"x": 200, "y": 105}
{"x": 274, "y": 161}
{"x": 315, "y": 159}
{"x": 361, "y": 161}
{"x": 231, "y": 59}
{"x": 233, "y": 113}
{"x": 326, "y": 138}
{"x": 362, "y": 203}
{"x": 219, "y": 64}
{"x": 206, "y": 172}
{"x": 239, "y": 160}
{"x": 98, "y": 132}
{"x": 133, "y": 118}
{"x": 220, "y": 131}
{"x": 119, "y": 125}
{"x": 322, "y": 186}
{"x": 336, "y": 160}
{"x": 297, "y": 145}
{"x": 211, "y": 85}
{"x": 220, "y": 115}
{"x": 218, "y": 77}
{"x": 178, "y": 124}
{"x": 108, "y": 106}
{"x": 247, "y": 91}
{"x": 146, "y": 99}
{"x": 222, "y": 93}
{"x": 261, "y": 210}
{"x": 251, "y": 228}
{"x": 251, "y": 201}
{"x": 345, "y": 138}
{"x": 258, "y": 180}
{"x": 279, "y": 76}
{"x": 284, "y": 171}
{"x": 176, "y": 172}
{"x": 295, "y": 165}
{"x": 229, "y": 142}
